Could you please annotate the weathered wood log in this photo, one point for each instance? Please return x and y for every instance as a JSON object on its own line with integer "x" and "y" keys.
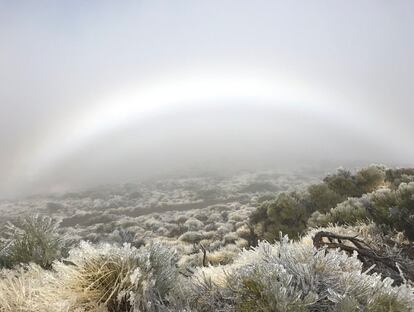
{"x": 388, "y": 266}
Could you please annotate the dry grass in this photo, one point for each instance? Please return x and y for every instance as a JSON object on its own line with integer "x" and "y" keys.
{"x": 100, "y": 277}
{"x": 30, "y": 289}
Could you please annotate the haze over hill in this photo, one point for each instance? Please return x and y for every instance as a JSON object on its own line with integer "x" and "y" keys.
{"x": 95, "y": 92}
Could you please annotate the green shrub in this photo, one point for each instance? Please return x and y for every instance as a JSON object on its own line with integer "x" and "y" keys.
{"x": 322, "y": 198}
{"x": 394, "y": 177}
{"x": 289, "y": 212}
{"x": 364, "y": 181}
{"x": 392, "y": 208}
{"x": 350, "y": 211}
{"x": 342, "y": 183}
{"x": 395, "y": 209}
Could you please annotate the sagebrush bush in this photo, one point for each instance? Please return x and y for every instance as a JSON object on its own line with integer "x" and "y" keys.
{"x": 31, "y": 239}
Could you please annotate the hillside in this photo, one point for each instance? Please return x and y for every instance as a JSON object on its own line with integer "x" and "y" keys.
{"x": 251, "y": 242}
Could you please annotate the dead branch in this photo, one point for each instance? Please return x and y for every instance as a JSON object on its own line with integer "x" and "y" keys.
{"x": 205, "y": 264}
{"x": 386, "y": 265}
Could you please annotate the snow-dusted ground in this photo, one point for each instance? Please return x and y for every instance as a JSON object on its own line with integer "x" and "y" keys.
{"x": 183, "y": 212}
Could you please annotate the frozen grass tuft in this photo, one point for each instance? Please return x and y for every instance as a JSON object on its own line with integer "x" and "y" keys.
{"x": 31, "y": 239}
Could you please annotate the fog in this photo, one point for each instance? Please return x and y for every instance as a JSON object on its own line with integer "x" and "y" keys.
{"x": 96, "y": 92}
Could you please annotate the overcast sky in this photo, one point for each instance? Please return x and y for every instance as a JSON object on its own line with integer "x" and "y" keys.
{"x": 106, "y": 91}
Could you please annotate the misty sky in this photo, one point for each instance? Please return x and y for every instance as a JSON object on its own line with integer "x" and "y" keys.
{"x": 106, "y": 91}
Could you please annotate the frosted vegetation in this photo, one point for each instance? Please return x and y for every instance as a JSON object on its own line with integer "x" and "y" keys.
{"x": 252, "y": 242}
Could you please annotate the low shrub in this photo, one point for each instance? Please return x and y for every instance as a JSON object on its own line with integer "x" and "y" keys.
{"x": 32, "y": 239}
{"x": 191, "y": 237}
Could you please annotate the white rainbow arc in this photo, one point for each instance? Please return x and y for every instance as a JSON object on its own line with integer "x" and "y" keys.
{"x": 145, "y": 100}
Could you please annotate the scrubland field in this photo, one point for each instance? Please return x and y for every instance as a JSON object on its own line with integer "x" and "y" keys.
{"x": 261, "y": 241}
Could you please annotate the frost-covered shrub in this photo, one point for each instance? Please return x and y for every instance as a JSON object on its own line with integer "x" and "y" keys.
{"x": 103, "y": 228}
{"x": 155, "y": 277}
{"x": 224, "y": 228}
{"x": 93, "y": 237}
{"x": 210, "y": 227}
{"x": 30, "y": 288}
{"x": 193, "y": 224}
{"x": 242, "y": 243}
{"x": 153, "y": 224}
{"x": 117, "y": 278}
{"x": 173, "y": 229}
{"x": 100, "y": 276}
{"x": 180, "y": 219}
{"x": 201, "y": 216}
{"x": 237, "y": 216}
{"x": 214, "y": 217}
{"x": 162, "y": 231}
{"x": 238, "y": 225}
{"x": 126, "y": 236}
{"x": 216, "y": 245}
{"x": 267, "y": 285}
{"x": 191, "y": 237}
{"x": 225, "y": 215}
{"x": 293, "y": 276}
{"x": 191, "y": 261}
{"x": 230, "y": 238}
{"x": 206, "y": 243}
{"x": 209, "y": 234}
{"x": 31, "y": 239}
{"x": 223, "y": 256}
